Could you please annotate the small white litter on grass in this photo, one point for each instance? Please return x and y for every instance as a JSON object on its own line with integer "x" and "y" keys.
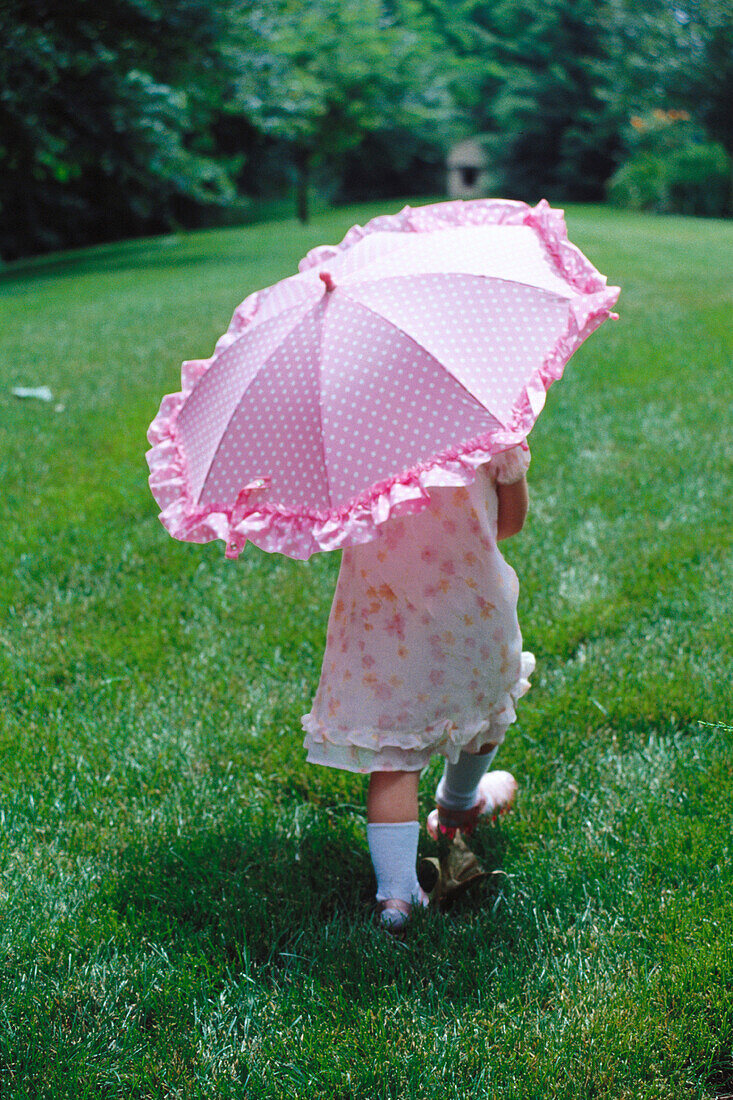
{"x": 41, "y": 393}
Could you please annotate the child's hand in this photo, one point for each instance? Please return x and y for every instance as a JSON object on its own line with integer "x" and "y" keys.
{"x": 513, "y": 506}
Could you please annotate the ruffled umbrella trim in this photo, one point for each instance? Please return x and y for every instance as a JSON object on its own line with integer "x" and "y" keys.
{"x": 299, "y": 534}
{"x": 405, "y": 750}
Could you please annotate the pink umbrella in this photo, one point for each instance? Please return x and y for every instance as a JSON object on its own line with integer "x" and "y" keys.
{"x": 399, "y": 360}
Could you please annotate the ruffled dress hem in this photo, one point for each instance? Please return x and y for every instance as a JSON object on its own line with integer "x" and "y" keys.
{"x": 370, "y": 749}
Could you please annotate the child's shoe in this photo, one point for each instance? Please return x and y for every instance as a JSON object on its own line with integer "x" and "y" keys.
{"x": 496, "y": 794}
{"x": 394, "y": 913}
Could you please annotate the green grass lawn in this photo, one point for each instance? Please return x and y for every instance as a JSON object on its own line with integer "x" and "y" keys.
{"x": 185, "y": 902}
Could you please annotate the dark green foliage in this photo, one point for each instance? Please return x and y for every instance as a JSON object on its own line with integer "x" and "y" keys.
{"x": 144, "y": 115}
{"x": 103, "y": 119}
{"x": 700, "y": 73}
{"x": 673, "y": 73}
{"x": 552, "y": 86}
{"x": 547, "y": 127}
{"x": 692, "y": 180}
{"x": 672, "y": 168}
{"x": 332, "y": 76}
{"x": 391, "y": 163}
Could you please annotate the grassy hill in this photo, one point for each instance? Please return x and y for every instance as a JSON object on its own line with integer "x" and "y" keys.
{"x": 186, "y": 903}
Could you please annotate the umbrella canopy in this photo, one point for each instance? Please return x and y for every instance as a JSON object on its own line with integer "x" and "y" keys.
{"x": 401, "y": 359}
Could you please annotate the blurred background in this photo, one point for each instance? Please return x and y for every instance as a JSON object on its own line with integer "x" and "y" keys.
{"x": 137, "y": 117}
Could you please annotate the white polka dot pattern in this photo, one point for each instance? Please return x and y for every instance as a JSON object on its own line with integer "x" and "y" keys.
{"x": 398, "y": 361}
{"x": 490, "y": 335}
{"x": 364, "y": 253}
{"x": 275, "y": 432}
{"x": 387, "y": 404}
{"x": 271, "y": 302}
{"x": 512, "y": 253}
{"x": 209, "y": 409}
{"x": 391, "y": 368}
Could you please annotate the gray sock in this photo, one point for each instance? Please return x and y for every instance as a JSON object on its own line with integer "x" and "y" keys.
{"x": 458, "y": 788}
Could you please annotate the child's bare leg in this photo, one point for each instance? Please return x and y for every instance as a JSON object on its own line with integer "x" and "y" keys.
{"x": 392, "y": 797}
{"x": 392, "y": 832}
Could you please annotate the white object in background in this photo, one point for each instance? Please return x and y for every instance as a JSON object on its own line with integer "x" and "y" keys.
{"x": 42, "y": 393}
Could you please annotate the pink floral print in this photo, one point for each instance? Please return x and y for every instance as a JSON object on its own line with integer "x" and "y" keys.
{"x": 423, "y": 651}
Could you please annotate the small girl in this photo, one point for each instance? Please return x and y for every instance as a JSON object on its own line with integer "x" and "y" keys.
{"x": 423, "y": 657}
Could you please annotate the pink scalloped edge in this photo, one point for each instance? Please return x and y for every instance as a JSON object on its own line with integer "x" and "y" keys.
{"x": 300, "y": 534}
{"x": 548, "y": 222}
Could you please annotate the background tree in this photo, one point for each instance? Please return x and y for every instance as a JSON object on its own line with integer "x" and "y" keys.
{"x": 142, "y": 115}
{"x": 546, "y": 118}
{"x": 706, "y": 82}
{"x": 675, "y": 56}
{"x": 673, "y": 70}
{"x": 101, "y": 118}
{"x": 326, "y": 77}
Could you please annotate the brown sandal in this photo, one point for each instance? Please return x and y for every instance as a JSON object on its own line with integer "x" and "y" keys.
{"x": 496, "y": 795}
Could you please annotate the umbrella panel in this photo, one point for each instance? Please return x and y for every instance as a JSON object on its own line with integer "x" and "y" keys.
{"x": 348, "y": 399}
{"x": 343, "y": 402}
{"x": 209, "y": 408}
{"x": 387, "y": 403}
{"x": 275, "y": 430}
{"x": 490, "y": 335}
{"x": 512, "y": 253}
{"x": 509, "y": 252}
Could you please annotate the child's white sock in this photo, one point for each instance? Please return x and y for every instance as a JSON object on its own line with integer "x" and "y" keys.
{"x": 458, "y": 788}
{"x": 393, "y": 848}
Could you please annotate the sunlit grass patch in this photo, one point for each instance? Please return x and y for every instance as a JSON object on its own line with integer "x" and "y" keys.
{"x": 187, "y": 904}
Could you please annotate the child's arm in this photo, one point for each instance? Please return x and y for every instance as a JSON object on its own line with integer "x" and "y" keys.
{"x": 513, "y": 506}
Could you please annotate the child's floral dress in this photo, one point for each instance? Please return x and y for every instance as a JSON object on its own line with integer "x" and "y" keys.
{"x": 423, "y": 652}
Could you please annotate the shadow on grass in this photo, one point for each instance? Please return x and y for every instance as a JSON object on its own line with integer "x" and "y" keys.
{"x": 247, "y": 884}
{"x": 115, "y": 260}
{"x": 253, "y": 894}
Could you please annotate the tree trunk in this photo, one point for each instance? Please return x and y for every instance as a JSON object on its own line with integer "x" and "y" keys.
{"x": 303, "y": 164}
